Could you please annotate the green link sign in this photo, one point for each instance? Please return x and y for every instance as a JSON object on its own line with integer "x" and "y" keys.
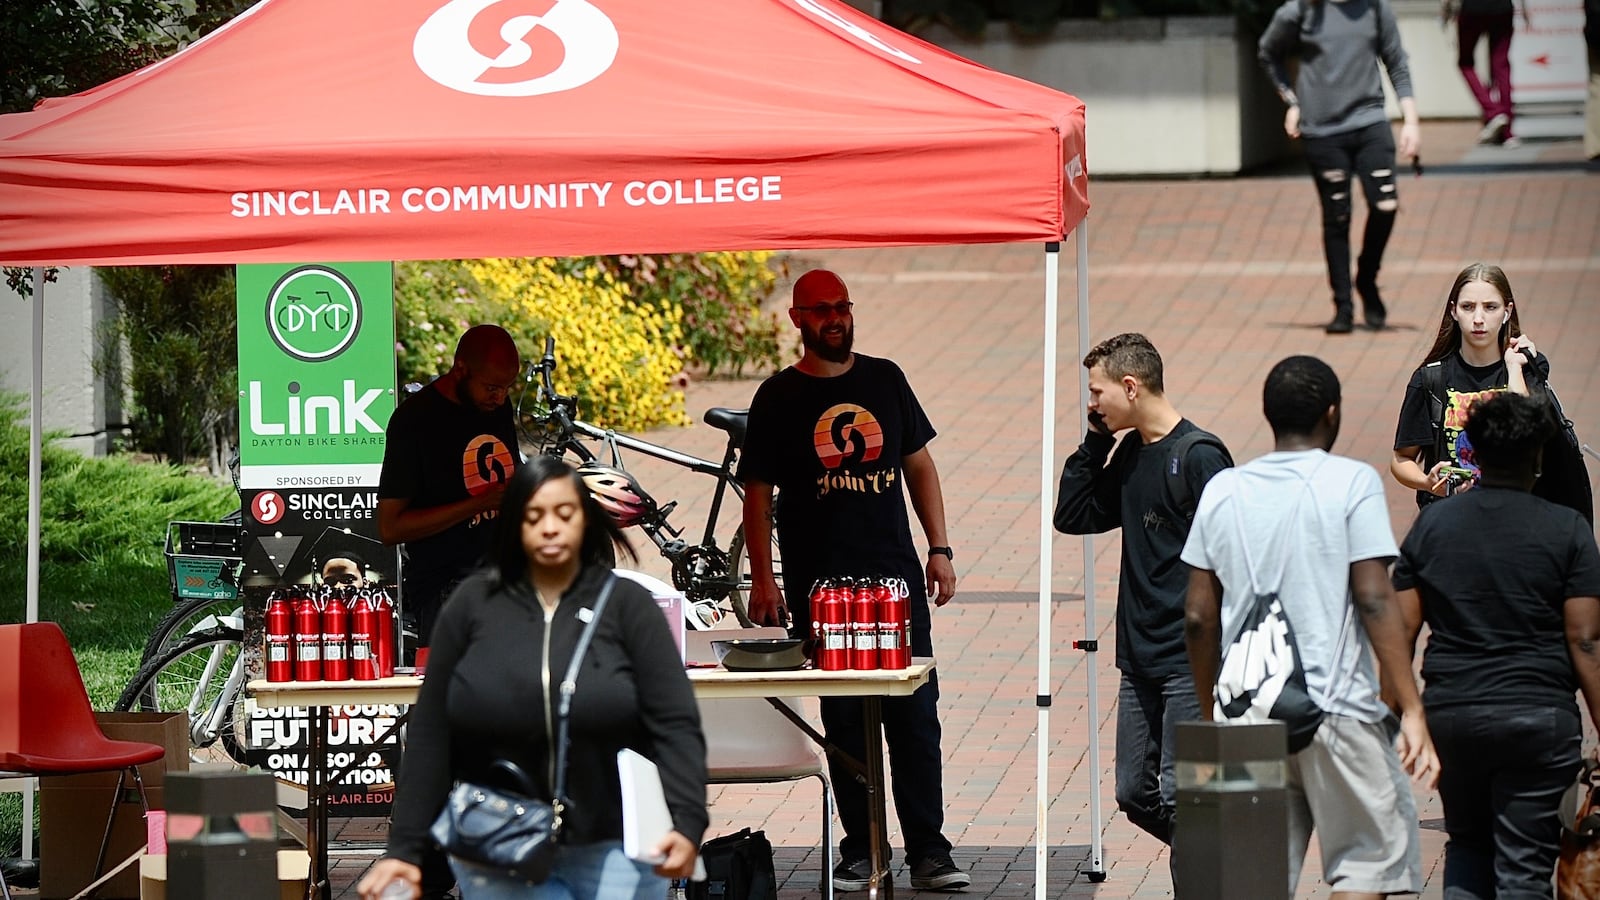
{"x": 316, "y": 373}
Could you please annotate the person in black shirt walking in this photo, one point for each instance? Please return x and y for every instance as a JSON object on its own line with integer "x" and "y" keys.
{"x": 1509, "y": 585}
{"x": 1481, "y": 350}
{"x": 1132, "y": 490}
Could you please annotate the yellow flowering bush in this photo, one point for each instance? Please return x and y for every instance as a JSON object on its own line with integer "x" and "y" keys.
{"x": 618, "y": 357}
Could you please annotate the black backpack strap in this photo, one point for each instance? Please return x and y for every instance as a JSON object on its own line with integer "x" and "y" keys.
{"x": 1183, "y": 500}
{"x": 1433, "y": 384}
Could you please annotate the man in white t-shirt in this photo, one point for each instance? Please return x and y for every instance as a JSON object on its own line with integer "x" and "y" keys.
{"x": 1321, "y": 521}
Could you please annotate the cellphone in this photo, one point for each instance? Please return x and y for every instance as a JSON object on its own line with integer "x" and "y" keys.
{"x": 1098, "y": 421}
{"x": 1456, "y": 476}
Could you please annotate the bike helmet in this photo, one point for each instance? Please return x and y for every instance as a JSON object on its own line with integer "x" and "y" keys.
{"x": 617, "y": 493}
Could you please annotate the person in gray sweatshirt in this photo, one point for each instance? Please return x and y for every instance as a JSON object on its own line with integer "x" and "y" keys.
{"x": 1336, "y": 108}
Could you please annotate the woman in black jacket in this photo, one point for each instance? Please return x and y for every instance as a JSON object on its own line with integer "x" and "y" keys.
{"x": 499, "y": 651}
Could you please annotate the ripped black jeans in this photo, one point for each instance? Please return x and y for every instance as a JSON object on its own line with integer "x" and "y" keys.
{"x": 1369, "y": 154}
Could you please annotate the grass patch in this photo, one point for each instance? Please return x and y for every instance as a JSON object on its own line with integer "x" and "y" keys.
{"x": 102, "y": 573}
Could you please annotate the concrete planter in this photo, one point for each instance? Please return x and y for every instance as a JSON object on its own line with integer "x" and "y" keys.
{"x": 1166, "y": 96}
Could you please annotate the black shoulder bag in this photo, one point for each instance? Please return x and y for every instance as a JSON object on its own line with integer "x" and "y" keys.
{"x": 508, "y": 831}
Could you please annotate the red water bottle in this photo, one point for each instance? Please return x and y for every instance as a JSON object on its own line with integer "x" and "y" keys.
{"x": 363, "y": 622}
{"x": 279, "y": 667}
{"x": 894, "y": 624}
{"x": 863, "y": 626}
{"x": 335, "y": 639}
{"x": 383, "y": 640}
{"x": 307, "y": 640}
{"x": 830, "y": 621}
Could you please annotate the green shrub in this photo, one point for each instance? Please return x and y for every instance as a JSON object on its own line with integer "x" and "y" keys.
{"x": 102, "y": 573}
{"x": 179, "y": 324}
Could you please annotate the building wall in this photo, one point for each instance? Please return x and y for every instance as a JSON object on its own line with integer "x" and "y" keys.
{"x": 75, "y": 399}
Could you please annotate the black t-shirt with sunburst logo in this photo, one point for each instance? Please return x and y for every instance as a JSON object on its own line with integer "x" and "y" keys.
{"x": 437, "y": 451}
{"x": 833, "y": 448}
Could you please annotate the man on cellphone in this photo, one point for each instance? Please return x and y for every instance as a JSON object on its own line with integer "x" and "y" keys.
{"x": 1148, "y": 488}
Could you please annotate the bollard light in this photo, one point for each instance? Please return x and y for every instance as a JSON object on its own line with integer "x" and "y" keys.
{"x": 221, "y": 835}
{"x": 1231, "y": 837}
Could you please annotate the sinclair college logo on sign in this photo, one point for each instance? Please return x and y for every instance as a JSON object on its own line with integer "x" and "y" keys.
{"x": 313, "y": 313}
{"x": 515, "y": 48}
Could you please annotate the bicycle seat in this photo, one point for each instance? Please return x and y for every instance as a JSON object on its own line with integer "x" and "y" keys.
{"x": 733, "y": 421}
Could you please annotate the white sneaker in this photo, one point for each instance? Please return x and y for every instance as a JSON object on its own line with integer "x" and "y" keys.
{"x": 1511, "y": 142}
{"x": 1493, "y": 129}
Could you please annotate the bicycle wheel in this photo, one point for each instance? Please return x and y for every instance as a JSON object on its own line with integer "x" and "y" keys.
{"x": 193, "y": 677}
{"x": 185, "y": 617}
{"x": 739, "y": 597}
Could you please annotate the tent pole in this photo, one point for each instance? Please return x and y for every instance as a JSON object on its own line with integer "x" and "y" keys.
{"x": 35, "y": 449}
{"x": 1096, "y": 871}
{"x": 35, "y": 455}
{"x": 1047, "y": 448}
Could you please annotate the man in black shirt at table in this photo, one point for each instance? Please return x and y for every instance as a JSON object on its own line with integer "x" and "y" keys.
{"x": 448, "y": 452}
{"x": 836, "y": 434}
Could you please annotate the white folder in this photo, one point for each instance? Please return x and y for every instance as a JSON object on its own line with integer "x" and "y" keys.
{"x": 645, "y": 817}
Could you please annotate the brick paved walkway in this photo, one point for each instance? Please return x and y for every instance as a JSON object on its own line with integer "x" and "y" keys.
{"x": 1226, "y": 278}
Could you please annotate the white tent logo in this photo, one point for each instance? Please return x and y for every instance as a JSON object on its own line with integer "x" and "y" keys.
{"x": 451, "y": 46}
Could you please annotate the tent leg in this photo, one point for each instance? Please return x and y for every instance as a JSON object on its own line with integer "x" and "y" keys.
{"x": 1096, "y": 870}
{"x": 35, "y": 513}
{"x": 1047, "y": 436}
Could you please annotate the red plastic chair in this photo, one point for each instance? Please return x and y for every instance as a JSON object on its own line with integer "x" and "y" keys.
{"x": 47, "y": 726}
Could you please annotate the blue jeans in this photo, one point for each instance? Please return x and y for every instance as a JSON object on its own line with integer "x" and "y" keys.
{"x": 1148, "y": 713}
{"x": 599, "y": 871}
{"x": 1502, "y": 770}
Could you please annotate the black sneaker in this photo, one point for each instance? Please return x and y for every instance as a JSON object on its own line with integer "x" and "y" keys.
{"x": 852, "y": 874}
{"x": 1343, "y": 323}
{"x": 1372, "y": 308}
{"x": 938, "y": 873}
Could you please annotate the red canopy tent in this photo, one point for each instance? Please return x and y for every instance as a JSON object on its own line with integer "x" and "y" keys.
{"x": 423, "y": 129}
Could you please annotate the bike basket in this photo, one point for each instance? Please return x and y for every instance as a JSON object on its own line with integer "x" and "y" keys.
{"x": 203, "y": 560}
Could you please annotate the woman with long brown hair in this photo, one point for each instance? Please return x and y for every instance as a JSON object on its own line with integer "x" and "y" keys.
{"x": 1480, "y": 350}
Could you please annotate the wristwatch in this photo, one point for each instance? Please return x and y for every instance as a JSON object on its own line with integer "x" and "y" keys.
{"x": 941, "y": 551}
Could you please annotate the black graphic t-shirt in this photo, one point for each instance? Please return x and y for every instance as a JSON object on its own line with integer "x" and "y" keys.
{"x": 1497, "y": 632}
{"x": 1127, "y": 489}
{"x": 1464, "y": 385}
{"x": 832, "y": 447}
{"x": 437, "y": 452}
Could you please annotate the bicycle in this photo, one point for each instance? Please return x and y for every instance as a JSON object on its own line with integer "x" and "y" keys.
{"x": 203, "y": 674}
{"x": 715, "y": 581}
